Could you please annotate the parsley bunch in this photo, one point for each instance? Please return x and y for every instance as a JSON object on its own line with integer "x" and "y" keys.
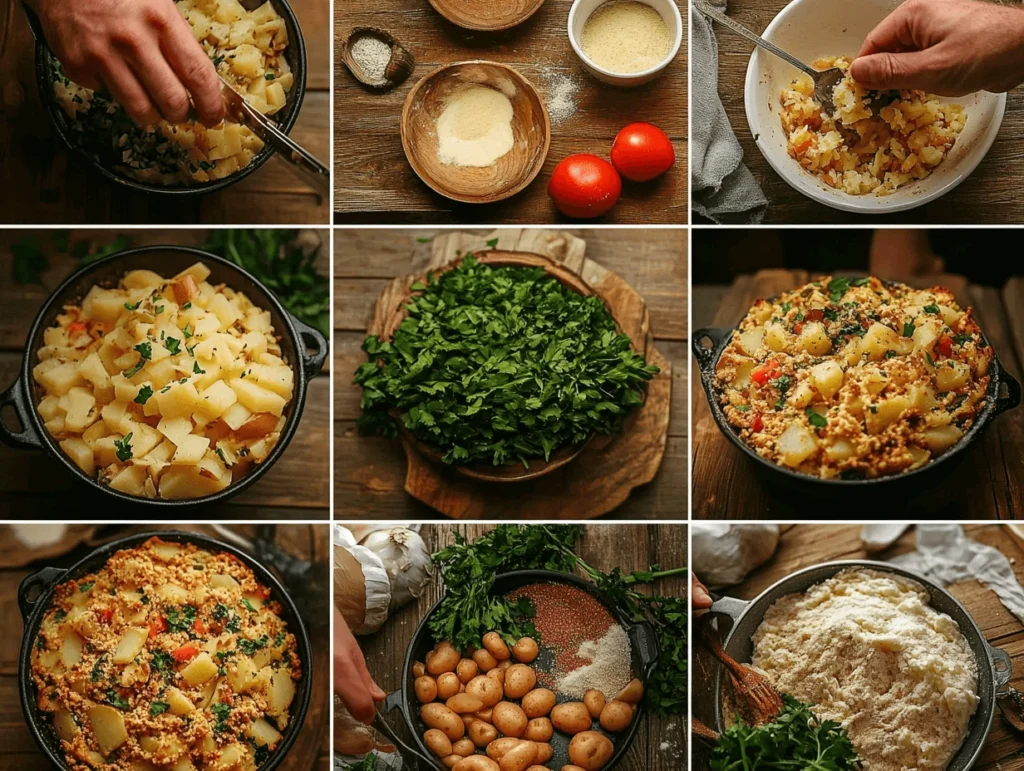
{"x": 797, "y": 739}
{"x": 498, "y": 364}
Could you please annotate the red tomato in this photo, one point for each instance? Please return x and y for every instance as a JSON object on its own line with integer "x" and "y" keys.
{"x": 199, "y": 626}
{"x": 798, "y": 327}
{"x": 584, "y": 186}
{"x": 763, "y": 374}
{"x": 156, "y": 626}
{"x": 815, "y": 314}
{"x": 757, "y": 424}
{"x": 106, "y": 614}
{"x": 945, "y": 345}
{"x": 185, "y": 652}
{"x": 642, "y": 152}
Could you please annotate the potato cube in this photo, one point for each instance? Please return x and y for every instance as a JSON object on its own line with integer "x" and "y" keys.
{"x": 280, "y": 693}
{"x": 942, "y": 438}
{"x": 229, "y": 11}
{"x": 114, "y": 416}
{"x": 199, "y": 271}
{"x": 926, "y": 335}
{"x": 190, "y": 450}
{"x": 216, "y": 400}
{"x": 226, "y": 311}
{"x": 92, "y": 369}
{"x": 179, "y": 703}
{"x": 175, "y": 429}
{"x": 814, "y": 339}
{"x": 263, "y": 734}
{"x": 49, "y": 408}
{"x": 131, "y": 643}
{"x": 71, "y": 649}
{"x": 103, "y": 304}
{"x": 949, "y": 376}
{"x": 60, "y": 378}
{"x": 104, "y": 449}
{"x": 236, "y": 416}
{"x": 65, "y": 726}
{"x": 801, "y": 396}
{"x": 130, "y": 480}
{"x": 276, "y": 98}
{"x": 178, "y": 401}
{"x": 80, "y": 453}
{"x": 795, "y": 445}
{"x": 247, "y": 61}
{"x": 885, "y": 412}
{"x": 186, "y": 482}
{"x": 839, "y": 450}
{"x": 280, "y": 380}
{"x": 257, "y": 399}
{"x": 107, "y": 728}
{"x": 82, "y": 411}
{"x": 200, "y": 670}
{"x": 776, "y": 337}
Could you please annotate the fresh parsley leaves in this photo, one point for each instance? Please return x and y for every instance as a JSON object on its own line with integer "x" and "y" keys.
{"x": 180, "y": 619}
{"x": 114, "y": 700}
{"x": 933, "y": 309}
{"x": 145, "y": 354}
{"x": 249, "y": 647}
{"x": 908, "y": 329}
{"x": 817, "y": 420}
{"x": 143, "y": 396}
{"x": 173, "y": 345}
{"x": 158, "y": 708}
{"x": 123, "y": 447}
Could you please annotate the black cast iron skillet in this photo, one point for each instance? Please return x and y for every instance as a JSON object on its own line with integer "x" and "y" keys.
{"x": 1004, "y": 393}
{"x": 36, "y": 592}
{"x": 295, "y": 54}
{"x": 297, "y": 340}
{"x": 643, "y": 648}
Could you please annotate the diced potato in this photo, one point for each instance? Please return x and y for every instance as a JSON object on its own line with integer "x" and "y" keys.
{"x": 132, "y": 642}
{"x": 801, "y": 396}
{"x": 142, "y": 279}
{"x": 223, "y": 580}
{"x": 81, "y": 453}
{"x": 59, "y": 379}
{"x": 163, "y": 747}
{"x": 190, "y": 450}
{"x": 839, "y": 450}
{"x": 228, "y": 757}
{"x": 874, "y": 381}
{"x": 65, "y": 726}
{"x": 827, "y": 378}
{"x": 236, "y": 416}
{"x": 276, "y": 97}
{"x": 927, "y": 334}
{"x": 922, "y": 397}
{"x": 280, "y": 693}
{"x": 226, "y": 311}
{"x": 179, "y": 482}
{"x": 107, "y": 728}
{"x": 229, "y": 11}
{"x": 920, "y": 456}
{"x": 179, "y": 401}
{"x": 103, "y": 304}
{"x": 173, "y": 594}
{"x": 199, "y": 271}
{"x": 879, "y": 340}
{"x": 263, "y": 734}
{"x": 200, "y": 670}
{"x": 885, "y": 412}
{"x": 256, "y": 398}
{"x": 942, "y": 438}
{"x": 175, "y": 429}
{"x": 92, "y": 369}
{"x": 130, "y": 480}
{"x": 776, "y": 337}
{"x": 216, "y": 400}
{"x": 179, "y": 703}
{"x": 795, "y": 445}
{"x": 71, "y": 650}
{"x": 280, "y": 380}
{"x": 184, "y": 763}
{"x": 114, "y": 415}
{"x": 951, "y": 375}
{"x": 247, "y": 61}
{"x": 814, "y": 339}
{"x": 242, "y": 675}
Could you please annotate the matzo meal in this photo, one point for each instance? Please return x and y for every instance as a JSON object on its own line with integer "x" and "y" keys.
{"x": 169, "y": 388}
{"x": 854, "y": 378}
{"x": 866, "y": 650}
{"x": 168, "y": 657}
{"x": 247, "y": 47}
{"x": 858, "y": 151}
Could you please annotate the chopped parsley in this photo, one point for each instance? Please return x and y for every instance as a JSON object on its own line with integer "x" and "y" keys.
{"x": 84, "y": 588}
{"x": 180, "y": 619}
{"x": 270, "y": 76}
{"x": 197, "y": 370}
{"x": 161, "y": 661}
{"x": 818, "y": 421}
{"x": 124, "y": 447}
{"x": 145, "y": 354}
{"x": 928, "y": 356}
{"x": 143, "y": 396}
{"x": 186, "y": 306}
{"x": 220, "y": 612}
{"x": 278, "y": 639}
{"x": 187, "y": 331}
{"x": 831, "y": 314}
{"x": 249, "y": 647}
{"x": 874, "y": 409}
{"x": 248, "y": 605}
{"x": 114, "y": 700}
{"x": 934, "y": 309}
{"x": 173, "y": 345}
{"x": 786, "y": 306}
{"x": 130, "y": 307}
{"x": 744, "y": 408}
{"x": 97, "y": 669}
{"x": 908, "y": 329}
{"x": 158, "y": 310}
{"x": 158, "y": 708}
{"x": 962, "y": 339}
{"x": 222, "y": 712}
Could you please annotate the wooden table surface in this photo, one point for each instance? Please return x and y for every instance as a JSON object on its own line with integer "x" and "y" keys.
{"x": 660, "y": 744}
{"x": 806, "y": 545}
{"x": 987, "y": 484}
{"x": 369, "y": 471}
{"x": 312, "y": 750}
{"x": 373, "y": 181}
{"x": 989, "y": 195}
{"x": 34, "y": 487}
{"x": 44, "y": 184}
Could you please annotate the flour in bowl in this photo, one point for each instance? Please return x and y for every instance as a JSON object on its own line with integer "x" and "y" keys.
{"x": 866, "y": 650}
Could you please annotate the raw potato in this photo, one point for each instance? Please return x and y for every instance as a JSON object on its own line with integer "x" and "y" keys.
{"x": 538, "y": 702}
{"x": 544, "y": 752}
{"x": 477, "y": 763}
{"x": 632, "y": 693}
{"x": 519, "y": 758}
{"x": 526, "y": 650}
{"x": 425, "y": 688}
{"x": 496, "y": 646}
{"x": 497, "y": 749}
{"x": 498, "y": 674}
{"x": 572, "y": 717}
{"x": 443, "y": 659}
{"x": 462, "y": 703}
{"x": 519, "y": 680}
{"x": 448, "y": 685}
{"x": 482, "y": 733}
{"x": 616, "y": 716}
{"x": 438, "y": 742}
{"x": 539, "y": 729}
{"x": 464, "y": 748}
{"x": 419, "y": 669}
{"x": 487, "y": 689}
{"x": 510, "y": 719}
{"x": 594, "y": 701}
{"x": 440, "y": 717}
{"x": 467, "y": 670}
{"x": 484, "y": 660}
{"x": 590, "y": 750}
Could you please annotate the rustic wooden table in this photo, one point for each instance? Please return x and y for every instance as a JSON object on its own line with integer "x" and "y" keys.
{"x": 373, "y": 182}
{"x": 988, "y": 195}
{"x": 369, "y": 472}
{"x": 987, "y": 484}
{"x": 34, "y": 487}
{"x": 660, "y": 743}
{"x": 305, "y": 542}
{"x": 44, "y": 184}
{"x": 806, "y": 545}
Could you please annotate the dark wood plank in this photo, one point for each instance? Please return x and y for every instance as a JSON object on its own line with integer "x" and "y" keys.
{"x": 373, "y": 181}
{"x": 660, "y": 745}
{"x": 988, "y": 195}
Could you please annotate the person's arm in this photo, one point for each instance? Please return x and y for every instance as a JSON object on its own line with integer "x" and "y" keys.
{"x": 352, "y": 681}
{"x": 142, "y": 51}
{"x": 944, "y": 47}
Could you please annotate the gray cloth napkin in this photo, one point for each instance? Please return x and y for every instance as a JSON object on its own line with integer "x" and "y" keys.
{"x": 724, "y": 190}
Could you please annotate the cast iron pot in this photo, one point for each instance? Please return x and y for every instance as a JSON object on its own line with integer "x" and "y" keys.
{"x": 36, "y": 592}
{"x": 644, "y": 651}
{"x": 295, "y": 338}
{"x": 295, "y": 54}
{"x": 996, "y": 403}
{"x": 994, "y": 666}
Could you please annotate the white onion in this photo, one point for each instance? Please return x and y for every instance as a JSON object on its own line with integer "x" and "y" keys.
{"x": 405, "y": 559}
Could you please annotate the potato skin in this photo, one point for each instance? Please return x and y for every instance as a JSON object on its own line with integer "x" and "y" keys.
{"x": 439, "y": 716}
{"x": 519, "y": 757}
{"x": 538, "y": 703}
{"x": 519, "y": 681}
{"x": 437, "y": 742}
{"x": 497, "y": 748}
{"x": 496, "y": 646}
{"x": 462, "y": 703}
{"x": 425, "y": 688}
{"x": 571, "y": 718}
{"x": 477, "y": 763}
{"x": 419, "y": 669}
{"x": 632, "y": 693}
{"x": 467, "y": 669}
{"x": 444, "y": 658}
{"x": 590, "y": 750}
{"x": 498, "y": 674}
{"x": 544, "y": 752}
{"x": 510, "y": 719}
{"x": 595, "y": 701}
{"x": 482, "y": 733}
{"x": 616, "y": 716}
{"x": 484, "y": 660}
{"x": 526, "y": 650}
{"x": 487, "y": 689}
{"x": 447, "y": 685}
{"x": 464, "y": 748}
{"x": 539, "y": 729}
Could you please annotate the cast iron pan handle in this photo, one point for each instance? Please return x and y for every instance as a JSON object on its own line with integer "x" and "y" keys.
{"x": 1002, "y": 666}
{"x": 1012, "y": 398}
{"x": 27, "y": 438}
{"x": 310, "y": 338}
{"x": 43, "y": 580}
{"x": 706, "y": 356}
{"x": 392, "y": 702}
{"x": 646, "y": 643}
{"x": 728, "y": 606}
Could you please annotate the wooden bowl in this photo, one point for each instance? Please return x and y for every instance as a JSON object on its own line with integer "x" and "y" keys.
{"x": 512, "y": 471}
{"x": 512, "y": 172}
{"x": 487, "y": 16}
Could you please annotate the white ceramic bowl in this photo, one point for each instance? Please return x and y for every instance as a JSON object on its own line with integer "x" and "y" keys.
{"x": 583, "y": 9}
{"x": 813, "y": 29}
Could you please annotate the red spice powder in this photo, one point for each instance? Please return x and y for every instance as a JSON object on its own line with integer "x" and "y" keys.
{"x": 566, "y": 618}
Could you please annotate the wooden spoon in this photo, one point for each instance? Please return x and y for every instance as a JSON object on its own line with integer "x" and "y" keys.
{"x": 757, "y": 699}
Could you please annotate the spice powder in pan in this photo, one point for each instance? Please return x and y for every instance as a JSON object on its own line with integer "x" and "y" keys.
{"x": 572, "y": 622}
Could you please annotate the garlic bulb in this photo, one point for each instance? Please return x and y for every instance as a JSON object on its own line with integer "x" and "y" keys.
{"x": 406, "y": 560}
{"x": 362, "y": 589}
{"x": 723, "y": 554}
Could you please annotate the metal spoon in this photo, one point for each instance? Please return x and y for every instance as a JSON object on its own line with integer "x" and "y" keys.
{"x": 825, "y": 81}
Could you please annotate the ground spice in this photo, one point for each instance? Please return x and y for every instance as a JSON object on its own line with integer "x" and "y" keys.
{"x": 372, "y": 55}
{"x": 626, "y": 37}
{"x": 475, "y": 128}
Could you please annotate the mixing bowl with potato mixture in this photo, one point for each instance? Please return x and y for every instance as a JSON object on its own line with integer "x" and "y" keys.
{"x": 170, "y": 655}
{"x": 854, "y": 378}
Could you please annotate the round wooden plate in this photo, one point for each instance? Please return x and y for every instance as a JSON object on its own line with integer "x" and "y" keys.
{"x": 513, "y": 471}
{"x": 487, "y": 16}
{"x": 531, "y": 128}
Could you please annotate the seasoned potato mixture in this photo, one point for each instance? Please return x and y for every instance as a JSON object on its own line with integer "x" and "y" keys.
{"x": 859, "y": 152}
{"x": 854, "y": 378}
{"x": 247, "y": 48}
{"x": 164, "y": 388}
{"x": 169, "y": 657}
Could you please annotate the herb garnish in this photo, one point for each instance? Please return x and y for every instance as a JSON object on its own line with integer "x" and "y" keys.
{"x": 180, "y": 619}
{"x": 114, "y": 700}
{"x": 145, "y": 354}
{"x": 817, "y": 420}
{"x": 908, "y": 329}
{"x": 173, "y": 345}
{"x": 143, "y": 396}
{"x": 934, "y": 309}
{"x": 222, "y": 712}
{"x": 124, "y": 447}
{"x": 249, "y": 647}
{"x": 158, "y": 708}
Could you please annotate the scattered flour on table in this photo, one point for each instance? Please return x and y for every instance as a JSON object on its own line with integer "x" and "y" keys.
{"x": 610, "y": 669}
{"x": 866, "y": 649}
{"x": 563, "y": 90}
{"x": 475, "y": 128}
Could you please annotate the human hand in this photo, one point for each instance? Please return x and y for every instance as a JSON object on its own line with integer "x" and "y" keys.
{"x": 945, "y": 47}
{"x": 141, "y": 51}
{"x": 352, "y": 681}
{"x": 699, "y": 596}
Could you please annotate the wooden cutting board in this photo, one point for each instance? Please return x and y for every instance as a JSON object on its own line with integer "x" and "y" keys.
{"x": 603, "y": 475}
{"x": 987, "y": 484}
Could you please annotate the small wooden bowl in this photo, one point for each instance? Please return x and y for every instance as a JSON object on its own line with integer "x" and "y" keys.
{"x": 487, "y": 16}
{"x": 398, "y": 69}
{"x": 512, "y": 471}
{"x": 531, "y": 128}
